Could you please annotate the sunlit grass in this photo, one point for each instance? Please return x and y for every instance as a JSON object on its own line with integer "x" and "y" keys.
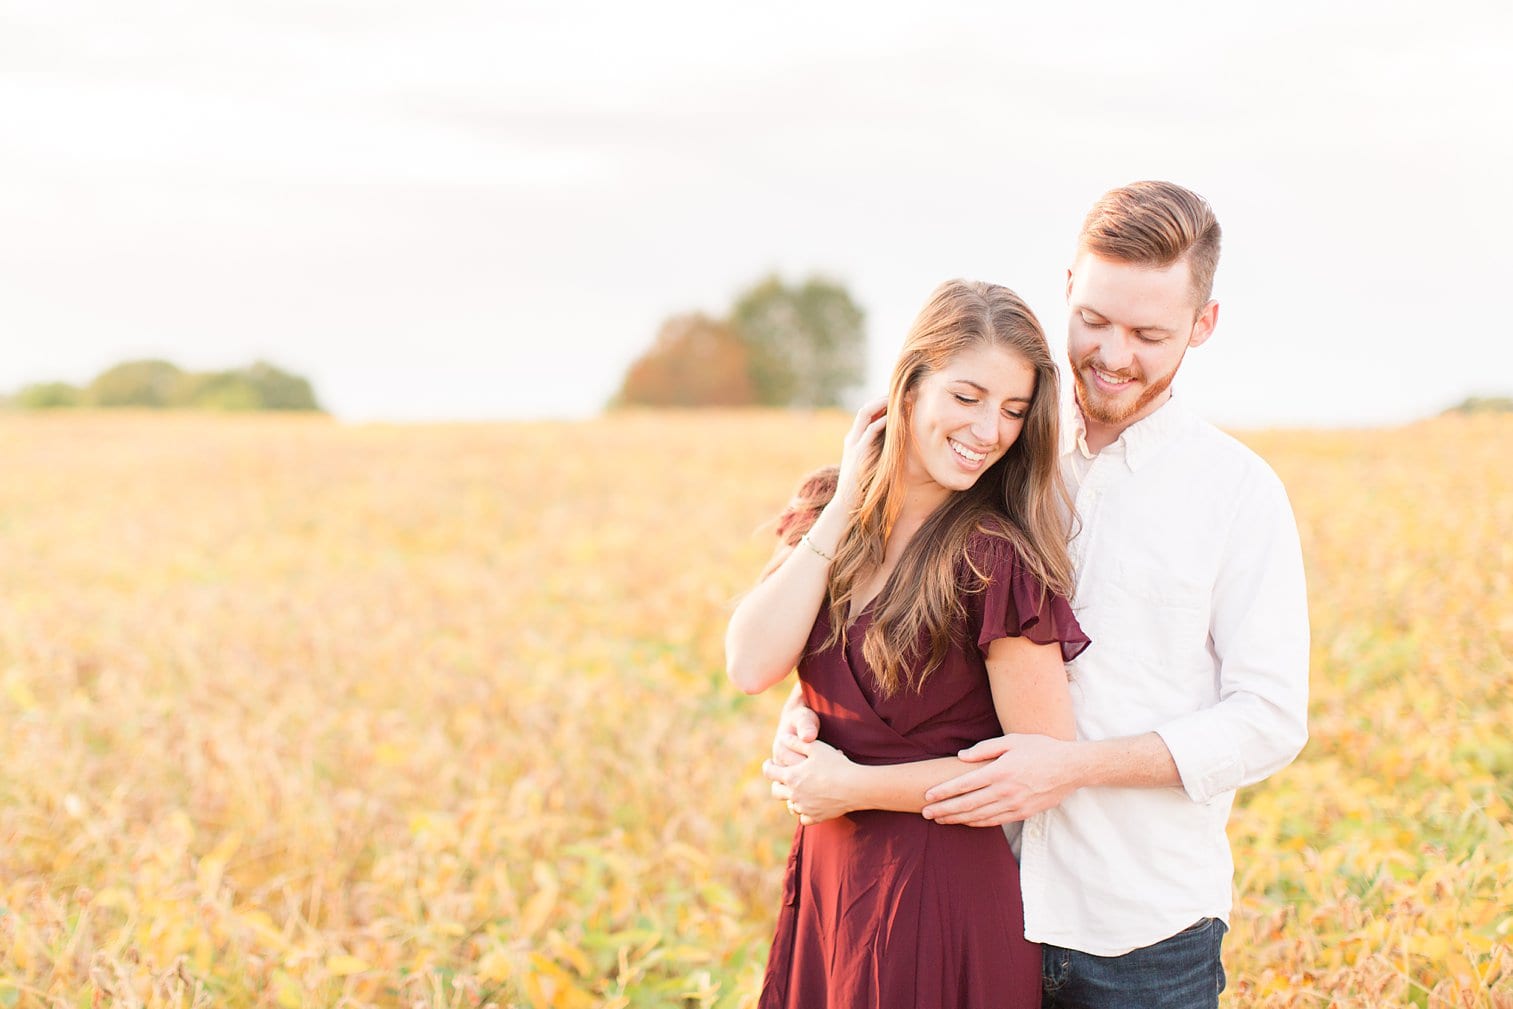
{"x": 306, "y": 714}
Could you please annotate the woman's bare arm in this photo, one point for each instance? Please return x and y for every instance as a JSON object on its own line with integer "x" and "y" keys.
{"x": 1030, "y": 694}
{"x": 1030, "y": 690}
{"x": 771, "y": 624}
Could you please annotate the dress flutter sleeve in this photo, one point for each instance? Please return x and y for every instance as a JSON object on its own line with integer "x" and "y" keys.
{"x": 1014, "y": 604}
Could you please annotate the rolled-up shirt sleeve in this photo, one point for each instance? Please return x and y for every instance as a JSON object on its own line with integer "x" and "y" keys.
{"x": 1259, "y": 635}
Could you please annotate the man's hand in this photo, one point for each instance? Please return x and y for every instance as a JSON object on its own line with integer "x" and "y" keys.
{"x": 815, "y": 788}
{"x": 1021, "y": 776}
{"x": 798, "y": 726}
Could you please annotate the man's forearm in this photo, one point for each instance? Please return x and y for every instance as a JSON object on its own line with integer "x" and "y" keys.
{"x": 1141, "y": 761}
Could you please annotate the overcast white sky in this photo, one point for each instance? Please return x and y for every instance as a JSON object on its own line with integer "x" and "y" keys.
{"x": 451, "y": 209}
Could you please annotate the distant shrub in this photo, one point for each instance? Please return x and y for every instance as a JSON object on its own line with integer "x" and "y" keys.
{"x": 259, "y": 387}
{"x": 695, "y": 361}
{"x": 157, "y": 384}
{"x": 793, "y": 345}
{"x": 47, "y": 396}
{"x": 1483, "y": 404}
{"x": 136, "y": 383}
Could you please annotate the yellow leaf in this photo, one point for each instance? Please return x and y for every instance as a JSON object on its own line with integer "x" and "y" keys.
{"x": 1435, "y": 947}
{"x": 1461, "y": 968}
{"x": 552, "y": 985}
{"x": 541, "y": 904}
{"x": 266, "y": 930}
{"x": 212, "y": 865}
{"x": 286, "y": 991}
{"x": 494, "y": 967}
{"x": 569, "y": 954}
{"x": 343, "y": 964}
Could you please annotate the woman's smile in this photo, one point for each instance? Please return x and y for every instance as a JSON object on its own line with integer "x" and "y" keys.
{"x": 969, "y": 459}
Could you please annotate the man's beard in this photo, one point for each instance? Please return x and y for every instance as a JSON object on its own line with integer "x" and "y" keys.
{"x": 1100, "y": 409}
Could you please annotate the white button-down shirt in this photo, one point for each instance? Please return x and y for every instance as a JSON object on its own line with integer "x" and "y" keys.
{"x": 1190, "y": 584}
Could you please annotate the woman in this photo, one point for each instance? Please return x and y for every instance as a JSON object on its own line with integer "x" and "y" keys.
{"x": 924, "y": 608}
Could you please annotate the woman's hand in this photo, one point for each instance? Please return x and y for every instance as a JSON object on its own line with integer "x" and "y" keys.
{"x": 818, "y": 787}
{"x": 869, "y": 424}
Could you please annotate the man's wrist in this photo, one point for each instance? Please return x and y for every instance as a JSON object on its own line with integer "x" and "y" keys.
{"x": 1141, "y": 761}
{"x": 1087, "y": 763}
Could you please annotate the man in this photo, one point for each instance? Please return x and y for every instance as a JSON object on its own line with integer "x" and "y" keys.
{"x": 1190, "y": 584}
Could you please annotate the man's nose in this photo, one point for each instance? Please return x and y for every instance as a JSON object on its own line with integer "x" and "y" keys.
{"x": 1115, "y": 352}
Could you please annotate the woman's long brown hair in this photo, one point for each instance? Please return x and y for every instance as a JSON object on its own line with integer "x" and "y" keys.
{"x": 923, "y": 597}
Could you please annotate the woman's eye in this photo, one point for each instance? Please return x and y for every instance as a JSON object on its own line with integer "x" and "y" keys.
{"x": 1014, "y": 416}
{"x": 963, "y": 399}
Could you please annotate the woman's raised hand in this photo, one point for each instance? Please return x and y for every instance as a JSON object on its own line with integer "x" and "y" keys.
{"x": 864, "y": 433}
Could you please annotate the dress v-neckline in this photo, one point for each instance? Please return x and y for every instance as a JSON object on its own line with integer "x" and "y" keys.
{"x": 853, "y": 621}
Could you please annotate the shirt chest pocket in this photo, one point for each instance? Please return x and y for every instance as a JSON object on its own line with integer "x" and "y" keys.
{"x": 1163, "y": 607}
{"x": 1162, "y": 586}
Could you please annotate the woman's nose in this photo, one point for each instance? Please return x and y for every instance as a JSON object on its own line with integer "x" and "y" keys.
{"x": 985, "y": 429}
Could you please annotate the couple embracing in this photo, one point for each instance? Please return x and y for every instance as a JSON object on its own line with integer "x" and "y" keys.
{"x": 1094, "y": 626}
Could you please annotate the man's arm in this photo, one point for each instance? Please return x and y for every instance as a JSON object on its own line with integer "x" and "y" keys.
{"x": 1030, "y": 774}
{"x": 797, "y": 724}
{"x": 1259, "y": 630}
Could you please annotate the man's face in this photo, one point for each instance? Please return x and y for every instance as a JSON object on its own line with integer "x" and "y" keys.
{"x": 1128, "y": 329}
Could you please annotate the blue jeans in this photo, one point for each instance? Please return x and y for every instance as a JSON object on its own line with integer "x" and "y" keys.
{"x": 1182, "y": 972}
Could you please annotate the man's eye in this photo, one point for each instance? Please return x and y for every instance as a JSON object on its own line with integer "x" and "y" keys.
{"x": 1092, "y": 324}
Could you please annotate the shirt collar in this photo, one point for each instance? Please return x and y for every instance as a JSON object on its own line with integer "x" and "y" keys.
{"x": 1137, "y": 443}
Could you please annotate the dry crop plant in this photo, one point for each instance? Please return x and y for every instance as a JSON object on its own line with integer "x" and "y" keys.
{"x": 306, "y": 714}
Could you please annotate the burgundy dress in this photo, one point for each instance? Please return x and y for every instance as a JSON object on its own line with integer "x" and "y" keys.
{"x": 886, "y": 910}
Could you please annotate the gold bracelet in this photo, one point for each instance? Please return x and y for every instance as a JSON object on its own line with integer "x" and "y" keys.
{"x": 804, "y": 539}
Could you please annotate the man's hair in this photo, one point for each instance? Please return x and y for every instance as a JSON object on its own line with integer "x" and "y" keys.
{"x": 1155, "y": 224}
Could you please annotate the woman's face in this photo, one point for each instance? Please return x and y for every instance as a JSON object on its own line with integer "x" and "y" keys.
{"x": 965, "y": 416}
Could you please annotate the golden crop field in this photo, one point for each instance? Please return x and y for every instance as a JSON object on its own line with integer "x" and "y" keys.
{"x": 305, "y": 714}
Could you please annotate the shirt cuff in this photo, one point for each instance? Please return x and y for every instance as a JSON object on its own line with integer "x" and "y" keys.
{"x": 1206, "y": 758}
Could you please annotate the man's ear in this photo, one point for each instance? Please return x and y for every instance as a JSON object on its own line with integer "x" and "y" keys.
{"x": 1068, "y": 284}
{"x": 1203, "y": 328}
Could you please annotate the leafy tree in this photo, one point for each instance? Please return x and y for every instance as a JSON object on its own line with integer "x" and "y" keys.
{"x": 219, "y": 390}
{"x": 807, "y": 343}
{"x": 695, "y": 361}
{"x": 281, "y": 390}
{"x": 259, "y": 387}
{"x": 1483, "y": 404}
{"x": 47, "y": 396}
{"x": 159, "y": 384}
{"x": 149, "y": 383}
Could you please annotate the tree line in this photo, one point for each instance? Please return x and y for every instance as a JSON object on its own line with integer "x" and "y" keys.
{"x": 798, "y": 345}
{"x": 157, "y": 384}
